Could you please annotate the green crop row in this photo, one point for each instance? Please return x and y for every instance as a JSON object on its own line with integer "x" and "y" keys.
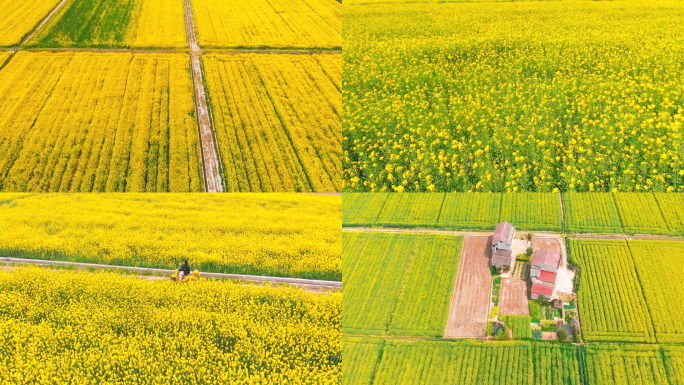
{"x": 360, "y": 354}
{"x": 629, "y": 213}
{"x": 528, "y": 211}
{"x": 399, "y": 284}
{"x": 627, "y": 289}
{"x": 520, "y": 325}
{"x": 509, "y": 362}
{"x": 611, "y": 303}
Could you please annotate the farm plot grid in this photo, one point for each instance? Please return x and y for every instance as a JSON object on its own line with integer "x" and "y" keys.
{"x": 277, "y": 120}
{"x": 98, "y": 122}
{"x": 423, "y": 362}
{"x": 513, "y": 96}
{"x": 610, "y": 297}
{"x": 359, "y": 359}
{"x": 115, "y": 24}
{"x": 283, "y": 235}
{"x": 19, "y": 18}
{"x": 625, "y": 364}
{"x": 591, "y": 213}
{"x": 621, "y": 213}
{"x": 659, "y": 265}
{"x": 529, "y": 211}
{"x": 268, "y": 23}
{"x": 516, "y": 362}
{"x": 398, "y": 284}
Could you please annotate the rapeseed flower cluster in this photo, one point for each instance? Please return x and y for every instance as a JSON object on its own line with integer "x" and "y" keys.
{"x": 70, "y": 327}
{"x": 290, "y": 235}
{"x": 496, "y": 97}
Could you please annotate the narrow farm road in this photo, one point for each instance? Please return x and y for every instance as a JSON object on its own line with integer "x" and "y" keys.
{"x": 42, "y": 23}
{"x": 310, "y": 284}
{"x": 210, "y": 158}
{"x": 538, "y": 234}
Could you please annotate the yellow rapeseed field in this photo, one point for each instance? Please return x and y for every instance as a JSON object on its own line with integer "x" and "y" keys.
{"x": 291, "y": 235}
{"x": 19, "y": 18}
{"x": 78, "y": 328}
{"x": 98, "y": 122}
{"x": 277, "y": 120}
{"x": 268, "y": 23}
{"x": 115, "y": 23}
{"x": 161, "y": 23}
{"x": 3, "y": 57}
{"x": 514, "y": 96}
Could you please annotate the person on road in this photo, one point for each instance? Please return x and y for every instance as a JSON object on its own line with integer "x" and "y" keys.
{"x": 183, "y": 270}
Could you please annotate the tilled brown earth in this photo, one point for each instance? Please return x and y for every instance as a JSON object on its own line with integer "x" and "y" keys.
{"x": 513, "y": 297}
{"x": 472, "y": 290}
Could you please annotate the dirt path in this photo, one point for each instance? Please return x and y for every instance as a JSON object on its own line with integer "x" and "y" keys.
{"x": 472, "y": 291}
{"x": 190, "y": 27}
{"x": 42, "y": 23}
{"x": 312, "y": 284}
{"x": 513, "y": 297}
{"x": 208, "y": 146}
{"x": 539, "y": 234}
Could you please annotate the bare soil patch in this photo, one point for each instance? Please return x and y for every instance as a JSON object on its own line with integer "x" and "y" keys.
{"x": 472, "y": 290}
{"x": 513, "y": 297}
{"x": 546, "y": 243}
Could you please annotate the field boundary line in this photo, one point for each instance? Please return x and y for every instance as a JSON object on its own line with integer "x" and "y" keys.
{"x": 643, "y": 295}
{"x": 441, "y": 207}
{"x": 540, "y": 234}
{"x": 240, "y": 277}
{"x": 42, "y": 24}
{"x": 409, "y": 263}
{"x": 208, "y": 146}
{"x": 564, "y": 219}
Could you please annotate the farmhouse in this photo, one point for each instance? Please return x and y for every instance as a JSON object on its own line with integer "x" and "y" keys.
{"x": 543, "y": 272}
{"x": 502, "y": 243}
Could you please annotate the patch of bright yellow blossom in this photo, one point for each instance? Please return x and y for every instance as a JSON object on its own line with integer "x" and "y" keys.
{"x": 523, "y": 96}
{"x": 268, "y": 23}
{"x": 277, "y": 120}
{"x": 70, "y": 327}
{"x": 98, "y": 122}
{"x": 19, "y": 18}
{"x": 160, "y": 23}
{"x": 291, "y": 235}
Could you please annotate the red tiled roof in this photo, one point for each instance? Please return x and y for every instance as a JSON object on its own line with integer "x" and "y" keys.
{"x": 547, "y": 257}
{"x": 542, "y": 289}
{"x": 547, "y": 276}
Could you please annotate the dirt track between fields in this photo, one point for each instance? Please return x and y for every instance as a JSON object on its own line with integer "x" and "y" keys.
{"x": 539, "y": 234}
{"x": 472, "y": 290}
{"x": 42, "y": 23}
{"x": 513, "y": 297}
{"x": 208, "y": 145}
{"x": 311, "y": 284}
